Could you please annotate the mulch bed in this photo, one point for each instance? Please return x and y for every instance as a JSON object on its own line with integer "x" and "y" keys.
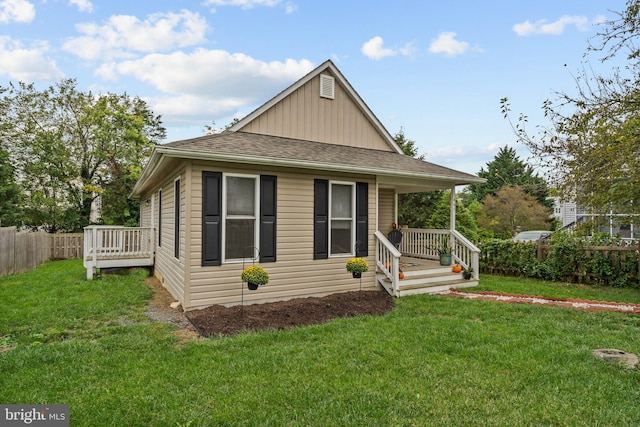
{"x": 219, "y": 320}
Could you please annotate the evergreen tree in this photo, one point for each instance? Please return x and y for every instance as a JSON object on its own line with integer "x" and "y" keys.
{"x": 506, "y": 169}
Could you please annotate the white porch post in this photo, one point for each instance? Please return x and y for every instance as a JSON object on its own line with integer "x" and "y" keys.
{"x": 452, "y": 209}
{"x": 395, "y": 207}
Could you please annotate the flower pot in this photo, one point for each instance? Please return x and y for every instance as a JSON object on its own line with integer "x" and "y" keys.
{"x": 356, "y": 275}
{"x": 466, "y": 275}
{"x": 252, "y": 286}
{"x": 445, "y": 259}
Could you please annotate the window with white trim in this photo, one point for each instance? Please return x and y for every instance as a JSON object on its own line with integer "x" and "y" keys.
{"x": 341, "y": 218}
{"x": 240, "y": 210}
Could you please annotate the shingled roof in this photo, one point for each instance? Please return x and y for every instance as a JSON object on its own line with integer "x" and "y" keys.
{"x": 254, "y": 148}
{"x": 242, "y": 145}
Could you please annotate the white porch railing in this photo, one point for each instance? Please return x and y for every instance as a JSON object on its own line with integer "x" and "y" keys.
{"x": 421, "y": 243}
{"x": 388, "y": 261}
{"x": 114, "y": 246}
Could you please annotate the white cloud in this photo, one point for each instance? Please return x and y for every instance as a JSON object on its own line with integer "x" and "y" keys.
{"x": 26, "y": 64}
{"x": 289, "y": 6}
{"x": 446, "y": 43}
{"x": 193, "y": 110}
{"x": 555, "y": 28}
{"x": 374, "y": 49}
{"x": 235, "y": 75}
{"x": 16, "y": 11}
{"x": 123, "y": 35}
{"x": 205, "y": 84}
{"x": 408, "y": 49}
{"x": 83, "y": 5}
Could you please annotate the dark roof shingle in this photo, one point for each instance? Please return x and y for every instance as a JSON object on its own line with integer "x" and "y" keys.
{"x": 252, "y": 145}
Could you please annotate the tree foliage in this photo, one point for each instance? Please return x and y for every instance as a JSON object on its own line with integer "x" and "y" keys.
{"x": 592, "y": 148}
{"x": 70, "y": 147}
{"x": 465, "y": 219}
{"x": 414, "y": 209}
{"x": 511, "y": 209}
{"x": 9, "y": 193}
{"x": 507, "y": 169}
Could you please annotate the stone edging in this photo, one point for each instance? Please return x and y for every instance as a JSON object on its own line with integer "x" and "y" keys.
{"x": 589, "y": 305}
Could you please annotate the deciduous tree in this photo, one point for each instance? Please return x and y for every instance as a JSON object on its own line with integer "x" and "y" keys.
{"x": 512, "y": 209}
{"x": 9, "y": 193}
{"x": 592, "y": 147}
{"x": 70, "y": 146}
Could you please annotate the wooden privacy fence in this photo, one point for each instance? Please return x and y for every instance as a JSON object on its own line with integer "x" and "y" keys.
{"x": 615, "y": 265}
{"x": 22, "y": 251}
{"x": 67, "y": 245}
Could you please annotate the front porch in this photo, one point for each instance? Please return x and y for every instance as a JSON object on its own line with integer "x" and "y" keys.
{"x": 417, "y": 257}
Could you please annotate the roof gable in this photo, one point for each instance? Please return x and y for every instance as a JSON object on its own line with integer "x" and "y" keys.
{"x": 303, "y": 111}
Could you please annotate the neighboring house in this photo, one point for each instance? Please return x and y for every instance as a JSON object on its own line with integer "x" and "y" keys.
{"x": 302, "y": 184}
{"x": 570, "y": 214}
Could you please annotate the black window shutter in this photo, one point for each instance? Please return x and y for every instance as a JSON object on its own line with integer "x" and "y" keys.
{"x": 362, "y": 219}
{"x": 211, "y": 218}
{"x": 160, "y": 218}
{"x": 320, "y": 219}
{"x": 268, "y": 189}
{"x": 176, "y": 219}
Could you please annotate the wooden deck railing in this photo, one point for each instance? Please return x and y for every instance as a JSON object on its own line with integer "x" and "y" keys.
{"x": 113, "y": 246}
{"x": 388, "y": 260}
{"x": 421, "y": 243}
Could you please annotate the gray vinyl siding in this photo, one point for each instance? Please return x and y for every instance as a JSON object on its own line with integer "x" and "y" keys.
{"x": 296, "y": 273}
{"x": 305, "y": 115}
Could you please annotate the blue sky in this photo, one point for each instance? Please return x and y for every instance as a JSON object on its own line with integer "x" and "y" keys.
{"x": 437, "y": 69}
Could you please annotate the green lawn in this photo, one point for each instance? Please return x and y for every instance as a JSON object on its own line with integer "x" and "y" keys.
{"x": 433, "y": 360}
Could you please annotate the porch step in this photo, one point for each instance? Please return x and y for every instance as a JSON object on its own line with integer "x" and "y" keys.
{"x": 427, "y": 281}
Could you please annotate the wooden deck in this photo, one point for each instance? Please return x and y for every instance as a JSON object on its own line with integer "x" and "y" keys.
{"x": 111, "y": 247}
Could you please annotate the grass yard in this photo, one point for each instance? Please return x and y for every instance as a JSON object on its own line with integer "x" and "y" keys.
{"x": 433, "y": 360}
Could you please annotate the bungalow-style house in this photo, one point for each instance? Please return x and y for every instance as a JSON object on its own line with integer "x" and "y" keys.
{"x": 301, "y": 185}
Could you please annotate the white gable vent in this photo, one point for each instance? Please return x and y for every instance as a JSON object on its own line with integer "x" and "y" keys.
{"x": 327, "y": 86}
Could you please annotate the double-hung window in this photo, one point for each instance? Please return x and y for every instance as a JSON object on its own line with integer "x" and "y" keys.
{"x": 238, "y": 217}
{"x": 241, "y": 200}
{"x": 341, "y": 218}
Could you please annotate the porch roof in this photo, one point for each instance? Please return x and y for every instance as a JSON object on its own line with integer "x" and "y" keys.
{"x": 404, "y": 173}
